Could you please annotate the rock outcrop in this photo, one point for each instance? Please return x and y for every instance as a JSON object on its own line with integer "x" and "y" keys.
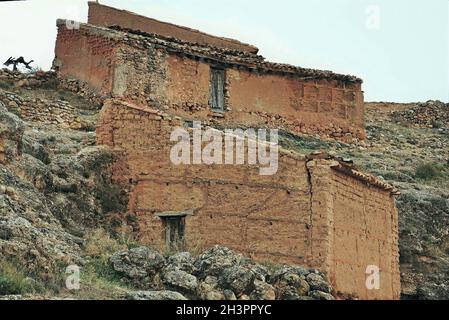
{"x": 55, "y": 186}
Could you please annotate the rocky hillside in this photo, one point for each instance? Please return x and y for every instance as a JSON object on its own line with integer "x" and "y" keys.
{"x": 54, "y": 182}
{"x": 56, "y": 200}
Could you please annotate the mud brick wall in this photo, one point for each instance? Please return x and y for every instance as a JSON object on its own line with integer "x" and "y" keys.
{"x": 180, "y": 85}
{"x": 140, "y": 75}
{"x": 105, "y": 16}
{"x": 365, "y": 233}
{"x": 85, "y": 56}
{"x": 265, "y": 217}
{"x": 329, "y": 108}
{"x": 253, "y": 99}
{"x": 306, "y": 214}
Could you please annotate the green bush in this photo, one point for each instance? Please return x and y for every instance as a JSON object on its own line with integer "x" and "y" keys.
{"x": 14, "y": 281}
{"x": 428, "y": 171}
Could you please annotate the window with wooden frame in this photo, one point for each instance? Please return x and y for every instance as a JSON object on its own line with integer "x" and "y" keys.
{"x": 217, "y": 89}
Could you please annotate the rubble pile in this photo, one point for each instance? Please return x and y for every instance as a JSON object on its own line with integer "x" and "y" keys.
{"x": 431, "y": 114}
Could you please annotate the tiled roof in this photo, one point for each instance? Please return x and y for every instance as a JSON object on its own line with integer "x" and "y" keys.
{"x": 233, "y": 58}
{"x": 346, "y": 166}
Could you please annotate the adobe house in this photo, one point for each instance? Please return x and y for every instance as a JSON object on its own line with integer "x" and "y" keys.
{"x": 203, "y": 77}
{"x": 316, "y": 210}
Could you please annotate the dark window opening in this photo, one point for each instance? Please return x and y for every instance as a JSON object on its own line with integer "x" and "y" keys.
{"x": 175, "y": 233}
{"x": 217, "y": 89}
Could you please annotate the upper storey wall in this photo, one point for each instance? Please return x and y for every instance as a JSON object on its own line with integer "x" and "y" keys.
{"x": 327, "y": 107}
{"x": 84, "y": 56}
{"x": 114, "y": 63}
{"x": 105, "y": 16}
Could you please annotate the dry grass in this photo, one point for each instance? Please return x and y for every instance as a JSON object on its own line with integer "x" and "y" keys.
{"x": 99, "y": 281}
{"x": 13, "y": 280}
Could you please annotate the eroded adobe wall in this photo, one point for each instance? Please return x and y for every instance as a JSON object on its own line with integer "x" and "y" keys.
{"x": 111, "y": 65}
{"x": 365, "y": 224}
{"x": 305, "y": 214}
{"x": 105, "y": 16}
{"x": 267, "y": 217}
{"x": 85, "y": 56}
{"x": 327, "y": 107}
{"x": 141, "y": 75}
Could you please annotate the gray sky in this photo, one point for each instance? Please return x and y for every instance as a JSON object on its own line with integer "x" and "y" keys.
{"x": 399, "y": 47}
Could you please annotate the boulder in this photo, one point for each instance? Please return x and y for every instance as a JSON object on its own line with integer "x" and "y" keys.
{"x": 139, "y": 265}
{"x": 290, "y": 282}
{"x": 214, "y": 261}
{"x": 239, "y": 279}
{"x": 181, "y": 261}
{"x": 180, "y": 281}
{"x": 208, "y": 290}
{"x": 319, "y": 295}
{"x": 263, "y": 291}
{"x": 317, "y": 282}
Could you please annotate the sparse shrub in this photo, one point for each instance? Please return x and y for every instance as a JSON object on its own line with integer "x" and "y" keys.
{"x": 99, "y": 246}
{"x": 14, "y": 281}
{"x": 428, "y": 171}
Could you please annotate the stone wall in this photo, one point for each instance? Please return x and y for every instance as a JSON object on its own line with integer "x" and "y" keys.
{"x": 302, "y": 215}
{"x": 55, "y": 112}
{"x": 105, "y": 16}
{"x": 27, "y": 80}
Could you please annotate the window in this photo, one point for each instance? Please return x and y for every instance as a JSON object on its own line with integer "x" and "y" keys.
{"x": 217, "y": 89}
{"x": 175, "y": 233}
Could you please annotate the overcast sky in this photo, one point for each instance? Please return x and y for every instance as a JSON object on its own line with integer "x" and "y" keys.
{"x": 399, "y": 47}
